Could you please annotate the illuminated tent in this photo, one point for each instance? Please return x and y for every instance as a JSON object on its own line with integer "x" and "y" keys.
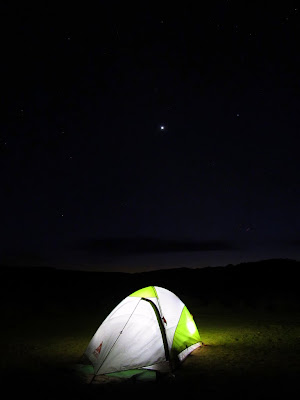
{"x": 151, "y": 329}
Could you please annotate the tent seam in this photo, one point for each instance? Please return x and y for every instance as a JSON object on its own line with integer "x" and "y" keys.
{"x": 118, "y": 337}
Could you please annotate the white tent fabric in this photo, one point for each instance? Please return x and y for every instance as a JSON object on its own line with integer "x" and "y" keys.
{"x": 171, "y": 309}
{"x": 131, "y": 336}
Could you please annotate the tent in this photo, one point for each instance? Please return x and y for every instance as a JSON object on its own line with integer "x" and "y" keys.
{"x": 151, "y": 330}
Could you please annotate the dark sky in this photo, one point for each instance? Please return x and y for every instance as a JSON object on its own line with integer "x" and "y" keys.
{"x": 170, "y": 122}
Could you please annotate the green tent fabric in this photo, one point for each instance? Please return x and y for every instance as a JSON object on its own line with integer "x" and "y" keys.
{"x": 150, "y": 329}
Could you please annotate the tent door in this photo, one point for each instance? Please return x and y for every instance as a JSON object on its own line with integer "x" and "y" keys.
{"x": 161, "y": 327}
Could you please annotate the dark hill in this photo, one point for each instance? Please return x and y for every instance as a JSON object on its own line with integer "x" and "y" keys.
{"x": 269, "y": 283}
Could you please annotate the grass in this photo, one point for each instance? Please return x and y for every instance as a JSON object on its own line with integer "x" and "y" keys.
{"x": 247, "y": 353}
{"x": 249, "y": 343}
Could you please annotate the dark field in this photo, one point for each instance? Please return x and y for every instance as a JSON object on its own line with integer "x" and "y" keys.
{"x": 248, "y": 318}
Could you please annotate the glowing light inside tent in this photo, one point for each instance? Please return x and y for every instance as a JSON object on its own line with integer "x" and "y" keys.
{"x": 191, "y": 326}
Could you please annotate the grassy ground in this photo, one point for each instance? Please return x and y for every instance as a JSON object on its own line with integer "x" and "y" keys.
{"x": 247, "y": 353}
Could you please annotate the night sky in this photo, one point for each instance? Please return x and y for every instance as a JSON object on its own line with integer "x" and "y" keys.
{"x": 171, "y": 122}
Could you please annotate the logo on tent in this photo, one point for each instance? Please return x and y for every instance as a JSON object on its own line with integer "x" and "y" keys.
{"x": 97, "y": 350}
